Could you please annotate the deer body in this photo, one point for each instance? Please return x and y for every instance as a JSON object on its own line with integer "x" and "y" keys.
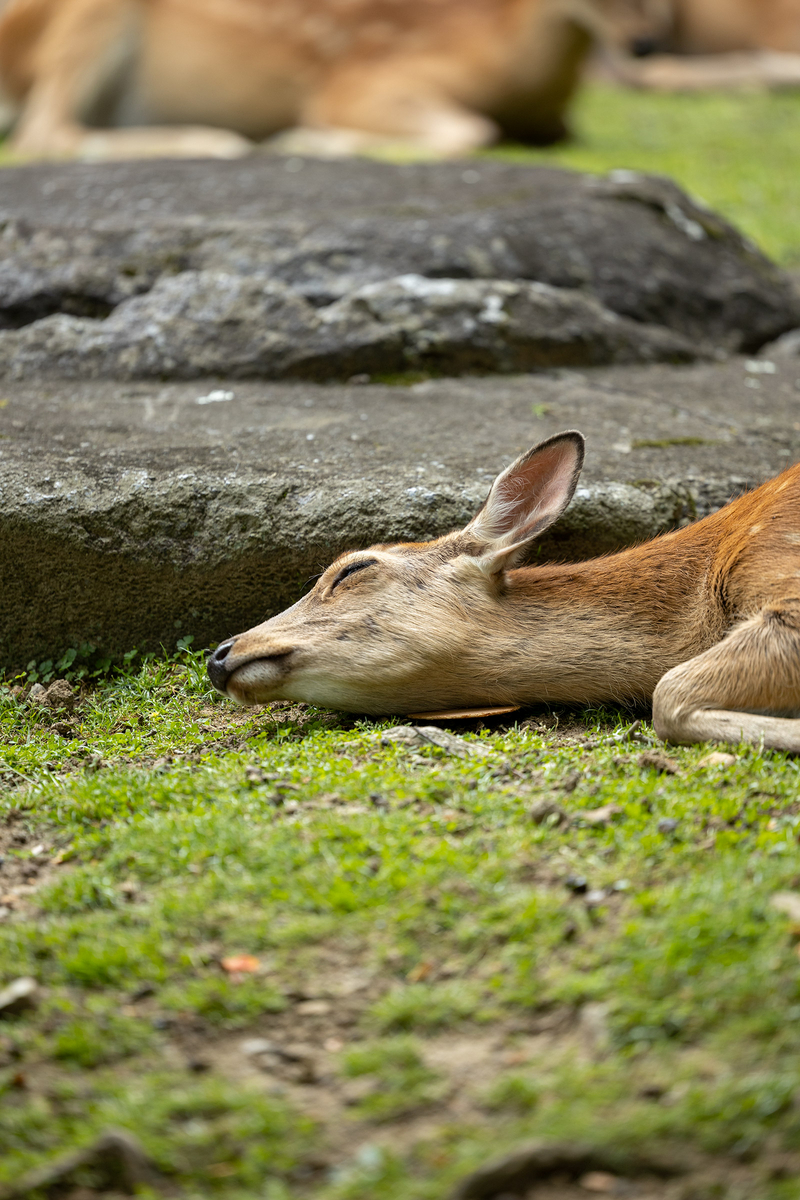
{"x": 200, "y": 76}
{"x": 720, "y": 26}
{"x": 705, "y": 620}
{"x": 707, "y": 44}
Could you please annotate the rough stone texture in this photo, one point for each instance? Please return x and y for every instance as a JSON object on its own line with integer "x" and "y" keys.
{"x": 205, "y": 322}
{"x": 238, "y": 266}
{"x": 134, "y": 515}
{"x": 787, "y": 346}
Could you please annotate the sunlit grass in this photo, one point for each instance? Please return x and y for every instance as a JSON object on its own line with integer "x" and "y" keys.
{"x": 739, "y": 152}
{"x": 307, "y": 837}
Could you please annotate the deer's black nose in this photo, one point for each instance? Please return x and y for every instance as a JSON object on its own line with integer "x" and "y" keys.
{"x": 643, "y": 47}
{"x": 216, "y": 666}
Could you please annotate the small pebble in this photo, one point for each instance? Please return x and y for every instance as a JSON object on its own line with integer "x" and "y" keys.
{"x": 252, "y": 1047}
{"x": 717, "y": 759}
{"x": 313, "y": 1008}
{"x": 577, "y": 884}
{"x": 599, "y": 1181}
{"x": 143, "y": 991}
{"x": 652, "y": 1091}
{"x": 547, "y": 812}
{"x": 659, "y": 762}
{"x": 599, "y": 816}
{"x": 20, "y": 996}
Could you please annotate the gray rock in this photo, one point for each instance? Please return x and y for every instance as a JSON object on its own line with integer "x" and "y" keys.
{"x": 414, "y": 737}
{"x": 117, "y": 1162}
{"x": 455, "y": 326}
{"x": 201, "y": 323}
{"x": 787, "y": 346}
{"x": 60, "y": 694}
{"x": 132, "y": 515}
{"x": 517, "y": 1172}
{"x": 21, "y": 995}
{"x": 546, "y": 811}
{"x": 78, "y": 240}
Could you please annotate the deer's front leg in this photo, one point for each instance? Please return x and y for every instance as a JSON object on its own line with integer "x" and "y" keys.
{"x": 75, "y": 52}
{"x": 744, "y": 689}
{"x": 85, "y": 45}
{"x": 388, "y": 100}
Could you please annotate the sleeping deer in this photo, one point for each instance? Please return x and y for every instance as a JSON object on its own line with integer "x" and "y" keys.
{"x": 709, "y": 44}
{"x": 127, "y": 78}
{"x": 704, "y": 620}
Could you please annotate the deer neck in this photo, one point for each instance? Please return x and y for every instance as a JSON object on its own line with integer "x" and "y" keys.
{"x": 609, "y": 628}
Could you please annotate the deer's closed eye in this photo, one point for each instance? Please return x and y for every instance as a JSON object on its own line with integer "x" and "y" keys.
{"x": 351, "y": 569}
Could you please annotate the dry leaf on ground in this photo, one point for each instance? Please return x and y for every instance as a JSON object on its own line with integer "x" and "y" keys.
{"x": 241, "y": 964}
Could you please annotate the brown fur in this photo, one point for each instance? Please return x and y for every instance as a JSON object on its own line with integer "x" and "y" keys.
{"x": 718, "y": 43}
{"x": 180, "y": 76}
{"x": 705, "y": 620}
{"x": 722, "y": 26}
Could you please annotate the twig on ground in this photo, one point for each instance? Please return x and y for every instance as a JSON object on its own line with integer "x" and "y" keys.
{"x": 631, "y": 734}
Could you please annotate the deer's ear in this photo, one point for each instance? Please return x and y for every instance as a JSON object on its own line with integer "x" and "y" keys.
{"x": 528, "y": 497}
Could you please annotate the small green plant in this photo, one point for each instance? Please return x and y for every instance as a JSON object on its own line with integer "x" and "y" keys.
{"x": 402, "y": 1083}
{"x": 100, "y": 1038}
{"x": 512, "y": 1093}
{"x": 426, "y": 1006}
{"x": 663, "y": 443}
{"x": 231, "y": 1004}
{"x": 89, "y": 662}
{"x": 401, "y": 378}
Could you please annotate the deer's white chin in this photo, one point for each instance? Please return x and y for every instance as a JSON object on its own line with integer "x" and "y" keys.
{"x": 263, "y": 680}
{"x": 257, "y": 682}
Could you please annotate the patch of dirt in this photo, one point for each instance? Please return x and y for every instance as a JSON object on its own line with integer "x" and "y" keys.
{"x": 29, "y": 858}
{"x": 297, "y": 1055}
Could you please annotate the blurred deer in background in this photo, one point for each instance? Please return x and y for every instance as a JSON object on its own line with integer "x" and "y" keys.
{"x": 188, "y": 77}
{"x": 705, "y": 620}
{"x": 717, "y": 43}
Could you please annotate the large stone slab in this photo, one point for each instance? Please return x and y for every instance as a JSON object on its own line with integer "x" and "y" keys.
{"x": 208, "y": 322}
{"x": 278, "y": 268}
{"x": 132, "y": 515}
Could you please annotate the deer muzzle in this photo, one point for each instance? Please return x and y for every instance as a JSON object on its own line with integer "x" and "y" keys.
{"x": 248, "y": 679}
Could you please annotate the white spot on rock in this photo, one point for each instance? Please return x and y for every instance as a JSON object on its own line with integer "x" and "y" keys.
{"x": 758, "y": 366}
{"x": 216, "y": 397}
{"x": 679, "y": 219}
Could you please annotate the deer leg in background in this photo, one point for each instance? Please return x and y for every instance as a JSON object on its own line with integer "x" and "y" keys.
{"x": 81, "y": 50}
{"x": 729, "y": 693}
{"x": 744, "y": 69}
{"x": 74, "y": 56}
{"x": 385, "y": 100}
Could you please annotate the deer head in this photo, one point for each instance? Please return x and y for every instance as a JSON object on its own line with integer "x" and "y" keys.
{"x": 413, "y": 626}
{"x": 637, "y": 27}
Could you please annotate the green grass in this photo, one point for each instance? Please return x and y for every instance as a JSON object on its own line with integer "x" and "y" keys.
{"x": 737, "y": 151}
{"x": 186, "y": 831}
{"x": 400, "y": 1082}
